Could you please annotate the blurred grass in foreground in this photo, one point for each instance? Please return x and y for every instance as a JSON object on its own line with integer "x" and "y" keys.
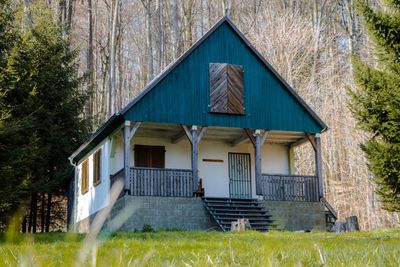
{"x": 179, "y": 248}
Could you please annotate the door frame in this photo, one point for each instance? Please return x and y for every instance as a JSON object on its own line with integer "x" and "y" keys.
{"x": 248, "y": 155}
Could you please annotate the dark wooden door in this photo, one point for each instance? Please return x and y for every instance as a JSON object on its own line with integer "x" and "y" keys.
{"x": 239, "y": 175}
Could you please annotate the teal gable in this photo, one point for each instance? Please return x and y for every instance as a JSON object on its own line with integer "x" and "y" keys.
{"x": 180, "y": 95}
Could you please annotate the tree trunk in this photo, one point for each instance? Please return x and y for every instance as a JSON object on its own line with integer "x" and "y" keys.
{"x": 48, "y": 212}
{"x": 149, "y": 42}
{"x": 42, "y": 212}
{"x": 113, "y": 43}
{"x": 34, "y": 213}
{"x": 24, "y": 221}
{"x": 90, "y": 63}
{"x": 27, "y": 20}
{"x": 175, "y": 28}
{"x": 159, "y": 37}
{"x": 30, "y": 215}
{"x": 188, "y": 23}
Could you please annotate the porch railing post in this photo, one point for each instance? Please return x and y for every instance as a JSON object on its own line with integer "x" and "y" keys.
{"x": 128, "y": 134}
{"x": 195, "y": 155}
{"x": 127, "y": 156}
{"x": 258, "y": 140}
{"x": 258, "y": 163}
{"x": 318, "y": 165}
{"x": 194, "y": 135}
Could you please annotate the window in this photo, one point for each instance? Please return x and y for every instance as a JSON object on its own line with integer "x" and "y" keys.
{"x": 226, "y": 88}
{"x": 149, "y": 156}
{"x": 85, "y": 177}
{"x": 97, "y": 167}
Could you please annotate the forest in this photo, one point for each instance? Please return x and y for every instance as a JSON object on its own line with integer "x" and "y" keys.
{"x": 111, "y": 49}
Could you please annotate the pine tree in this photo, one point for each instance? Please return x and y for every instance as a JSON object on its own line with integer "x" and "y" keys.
{"x": 376, "y": 102}
{"x": 42, "y": 92}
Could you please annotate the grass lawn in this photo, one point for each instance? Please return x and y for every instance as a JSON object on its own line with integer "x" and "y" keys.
{"x": 376, "y": 248}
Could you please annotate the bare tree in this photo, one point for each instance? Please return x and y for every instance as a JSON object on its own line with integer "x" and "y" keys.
{"x": 113, "y": 44}
{"x": 149, "y": 42}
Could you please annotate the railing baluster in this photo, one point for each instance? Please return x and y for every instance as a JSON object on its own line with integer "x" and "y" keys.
{"x": 289, "y": 187}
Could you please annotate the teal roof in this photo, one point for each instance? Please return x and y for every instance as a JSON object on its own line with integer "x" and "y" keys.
{"x": 180, "y": 94}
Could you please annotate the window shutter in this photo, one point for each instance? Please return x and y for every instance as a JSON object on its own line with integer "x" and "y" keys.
{"x": 85, "y": 177}
{"x": 218, "y": 88}
{"x": 142, "y": 157}
{"x": 226, "y": 88}
{"x": 97, "y": 167}
{"x": 235, "y": 89}
{"x": 158, "y": 157}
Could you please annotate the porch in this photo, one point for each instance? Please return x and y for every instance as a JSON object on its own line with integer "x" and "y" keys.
{"x": 229, "y": 162}
{"x": 179, "y": 183}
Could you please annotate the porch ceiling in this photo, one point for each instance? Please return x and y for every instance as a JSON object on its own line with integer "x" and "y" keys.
{"x": 229, "y": 135}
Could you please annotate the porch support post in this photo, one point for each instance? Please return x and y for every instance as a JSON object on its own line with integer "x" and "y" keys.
{"x": 128, "y": 134}
{"x": 292, "y": 167}
{"x": 315, "y": 140}
{"x": 194, "y": 135}
{"x": 195, "y": 156}
{"x": 318, "y": 164}
{"x": 259, "y": 138}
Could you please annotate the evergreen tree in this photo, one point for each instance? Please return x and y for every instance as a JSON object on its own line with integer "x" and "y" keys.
{"x": 376, "y": 102}
{"x": 42, "y": 92}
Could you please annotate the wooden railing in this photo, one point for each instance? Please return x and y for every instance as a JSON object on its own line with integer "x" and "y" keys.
{"x": 289, "y": 187}
{"x": 161, "y": 182}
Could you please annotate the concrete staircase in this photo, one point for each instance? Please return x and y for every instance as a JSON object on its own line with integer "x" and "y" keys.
{"x": 226, "y": 210}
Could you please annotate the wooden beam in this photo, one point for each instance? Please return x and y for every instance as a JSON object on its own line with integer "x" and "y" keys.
{"x": 250, "y": 136}
{"x": 201, "y": 133}
{"x": 318, "y": 164}
{"x": 134, "y": 129}
{"x": 258, "y": 161}
{"x": 239, "y": 140}
{"x": 299, "y": 142}
{"x": 187, "y": 131}
{"x": 312, "y": 141}
{"x": 127, "y": 155}
{"x": 177, "y": 138}
{"x": 264, "y": 137}
{"x": 195, "y": 154}
{"x": 194, "y": 135}
{"x": 292, "y": 166}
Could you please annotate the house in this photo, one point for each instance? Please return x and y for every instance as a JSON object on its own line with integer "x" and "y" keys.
{"x": 208, "y": 141}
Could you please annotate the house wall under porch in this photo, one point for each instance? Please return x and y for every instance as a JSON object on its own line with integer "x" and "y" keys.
{"x": 215, "y": 174}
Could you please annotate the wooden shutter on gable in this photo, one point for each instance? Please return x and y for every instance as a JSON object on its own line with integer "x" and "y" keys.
{"x": 226, "y": 88}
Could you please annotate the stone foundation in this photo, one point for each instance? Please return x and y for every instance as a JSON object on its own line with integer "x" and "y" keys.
{"x": 131, "y": 213}
{"x": 295, "y": 215}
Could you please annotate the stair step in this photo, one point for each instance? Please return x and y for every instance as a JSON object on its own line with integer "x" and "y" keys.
{"x": 247, "y": 216}
{"x": 237, "y": 218}
{"x": 230, "y": 199}
{"x": 235, "y": 207}
{"x": 265, "y": 224}
{"x": 244, "y": 211}
{"x": 236, "y": 202}
{"x": 226, "y": 210}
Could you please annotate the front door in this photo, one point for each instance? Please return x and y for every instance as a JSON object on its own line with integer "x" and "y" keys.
{"x": 239, "y": 175}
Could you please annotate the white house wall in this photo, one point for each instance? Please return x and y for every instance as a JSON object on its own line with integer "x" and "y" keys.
{"x": 97, "y": 197}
